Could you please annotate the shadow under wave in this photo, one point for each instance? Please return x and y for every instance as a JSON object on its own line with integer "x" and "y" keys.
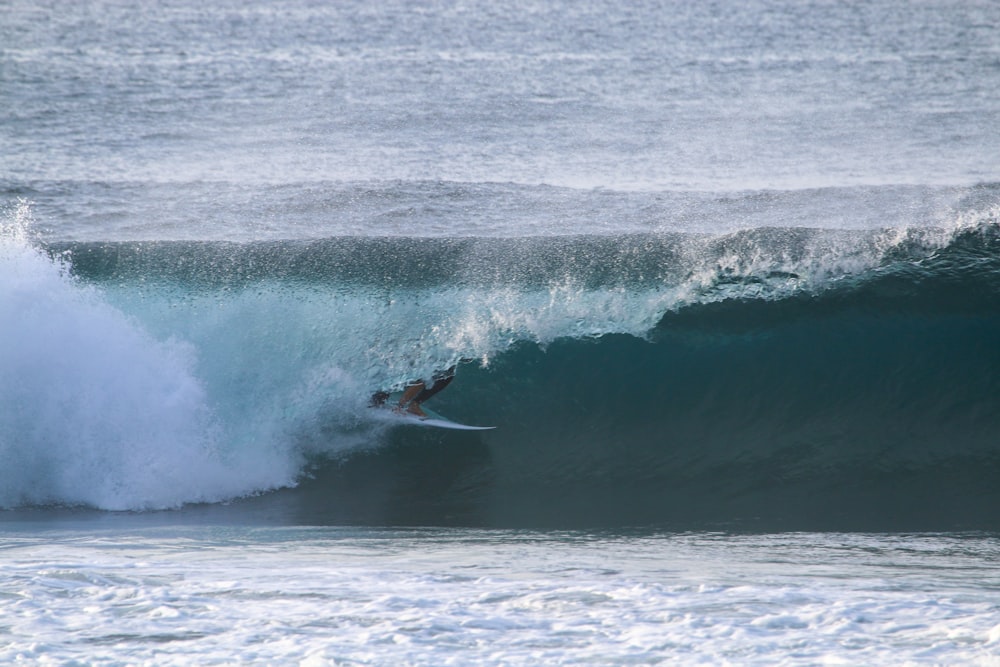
{"x": 874, "y": 408}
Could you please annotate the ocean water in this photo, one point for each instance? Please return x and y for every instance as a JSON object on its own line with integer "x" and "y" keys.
{"x": 725, "y": 277}
{"x": 317, "y": 596}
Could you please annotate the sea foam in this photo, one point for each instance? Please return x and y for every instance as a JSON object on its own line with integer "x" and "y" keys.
{"x": 93, "y": 409}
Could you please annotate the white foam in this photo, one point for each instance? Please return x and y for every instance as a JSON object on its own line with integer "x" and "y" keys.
{"x": 93, "y": 409}
{"x": 329, "y": 596}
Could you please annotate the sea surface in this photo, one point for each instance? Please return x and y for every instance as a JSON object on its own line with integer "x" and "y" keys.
{"x": 725, "y": 276}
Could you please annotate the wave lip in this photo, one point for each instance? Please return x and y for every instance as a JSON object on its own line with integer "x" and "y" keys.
{"x": 95, "y": 210}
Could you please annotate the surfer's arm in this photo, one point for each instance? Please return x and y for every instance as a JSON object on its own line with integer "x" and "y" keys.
{"x": 411, "y": 392}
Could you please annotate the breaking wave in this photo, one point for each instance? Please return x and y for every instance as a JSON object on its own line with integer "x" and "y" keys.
{"x": 791, "y": 376}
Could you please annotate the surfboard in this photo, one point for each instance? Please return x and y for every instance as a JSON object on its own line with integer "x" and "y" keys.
{"x": 441, "y": 423}
{"x": 433, "y": 420}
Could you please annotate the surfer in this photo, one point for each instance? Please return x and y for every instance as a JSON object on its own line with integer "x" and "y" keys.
{"x": 417, "y": 392}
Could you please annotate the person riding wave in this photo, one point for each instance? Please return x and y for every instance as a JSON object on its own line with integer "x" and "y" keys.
{"x": 417, "y": 392}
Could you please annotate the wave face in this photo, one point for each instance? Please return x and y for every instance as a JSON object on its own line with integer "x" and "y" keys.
{"x": 771, "y": 377}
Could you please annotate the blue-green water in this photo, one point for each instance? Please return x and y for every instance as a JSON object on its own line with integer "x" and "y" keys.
{"x": 726, "y": 278}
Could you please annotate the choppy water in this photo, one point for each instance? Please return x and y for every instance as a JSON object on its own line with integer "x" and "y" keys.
{"x": 430, "y": 597}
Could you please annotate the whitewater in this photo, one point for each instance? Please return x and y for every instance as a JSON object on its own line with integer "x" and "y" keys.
{"x": 726, "y": 279}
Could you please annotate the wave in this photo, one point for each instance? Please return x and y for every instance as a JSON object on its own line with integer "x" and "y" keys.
{"x": 791, "y": 376}
{"x": 873, "y": 405}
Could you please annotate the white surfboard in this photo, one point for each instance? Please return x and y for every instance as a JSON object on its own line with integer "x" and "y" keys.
{"x": 434, "y": 420}
{"x": 442, "y": 423}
